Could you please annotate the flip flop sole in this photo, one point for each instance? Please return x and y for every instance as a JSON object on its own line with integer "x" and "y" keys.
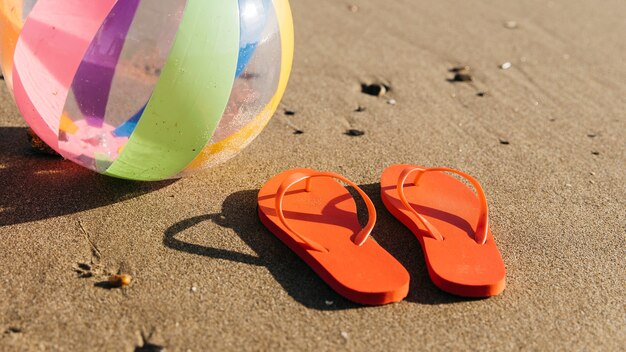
{"x": 457, "y": 264}
{"x": 365, "y": 274}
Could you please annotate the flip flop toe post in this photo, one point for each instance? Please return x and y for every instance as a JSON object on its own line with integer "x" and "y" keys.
{"x": 316, "y": 217}
{"x": 451, "y": 223}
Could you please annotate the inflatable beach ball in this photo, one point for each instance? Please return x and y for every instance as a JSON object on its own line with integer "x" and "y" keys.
{"x": 146, "y": 89}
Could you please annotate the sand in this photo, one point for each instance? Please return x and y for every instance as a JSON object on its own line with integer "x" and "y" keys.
{"x": 208, "y": 276}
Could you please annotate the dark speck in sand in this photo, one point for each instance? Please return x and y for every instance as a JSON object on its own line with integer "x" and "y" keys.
{"x": 85, "y": 270}
{"x": 595, "y": 153}
{"x": 13, "y": 330}
{"x": 461, "y": 74}
{"x": 360, "y": 108}
{"x": 149, "y": 347}
{"x": 84, "y": 266}
{"x": 504, "y": 141}
{"x": 481, "y": 94}
{"x": 104, "y": 284}
{"x": 375, "y": 89}
{"x": 298, "y": 132}
{"x": 290, "y": 112}
{"x": 354, "y": 133}
{"x": 1, "y": 77}
{"x": 461, "y": 77}
{"x": 592, "y": 135}
{"x": 457, "y": 69}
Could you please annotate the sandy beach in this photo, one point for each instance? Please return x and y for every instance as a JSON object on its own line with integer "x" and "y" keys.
{"x": 542, "y": 125}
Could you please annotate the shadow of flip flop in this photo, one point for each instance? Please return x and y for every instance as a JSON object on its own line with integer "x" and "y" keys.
{"x": 239, "y": 213}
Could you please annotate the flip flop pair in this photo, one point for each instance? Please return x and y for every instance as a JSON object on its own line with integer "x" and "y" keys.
{"x": 316, "y": 217}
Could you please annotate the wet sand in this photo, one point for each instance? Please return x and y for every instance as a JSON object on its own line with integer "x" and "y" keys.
{"x": 545, "y": 137}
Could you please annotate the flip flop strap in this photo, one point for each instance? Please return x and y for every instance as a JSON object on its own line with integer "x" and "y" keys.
{"x": 358, "y": 239}
{"x": 480, "y": 234}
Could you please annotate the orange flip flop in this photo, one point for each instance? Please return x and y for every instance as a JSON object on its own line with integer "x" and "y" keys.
{"x": 451, "y": 223}
{"x": 316, "y": 217}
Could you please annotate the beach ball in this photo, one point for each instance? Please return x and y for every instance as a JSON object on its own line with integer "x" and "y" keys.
{"x": 146, "y": 89}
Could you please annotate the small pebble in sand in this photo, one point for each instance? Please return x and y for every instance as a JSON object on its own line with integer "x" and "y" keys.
{"x": 345, "y": 335}
{"x": 360, "y": 108}
{"x": 391, "y": 102}
{"x": 510, "y": 24}
{"x": 505, "y": 66}
{"x": 591, "y": 135}
{"x": 329, "y": 303}
{"x": 375, "y": 89}
{"x": 289, "y": 112}
{"x": 298, "y": 132}
{"x": 504, "y": 141}
{"x": 194, "y": 289}
{"x": 568, "y": 185}
{"x": 120, "y": 280}
{"x": 353, "y": 8}
{"x": 354, "y": 133}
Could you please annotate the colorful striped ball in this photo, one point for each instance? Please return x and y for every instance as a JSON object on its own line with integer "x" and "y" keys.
{"x": 146, "y": 90}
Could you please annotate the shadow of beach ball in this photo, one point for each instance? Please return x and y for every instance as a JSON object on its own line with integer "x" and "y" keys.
{"x": 146, "y": 90}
